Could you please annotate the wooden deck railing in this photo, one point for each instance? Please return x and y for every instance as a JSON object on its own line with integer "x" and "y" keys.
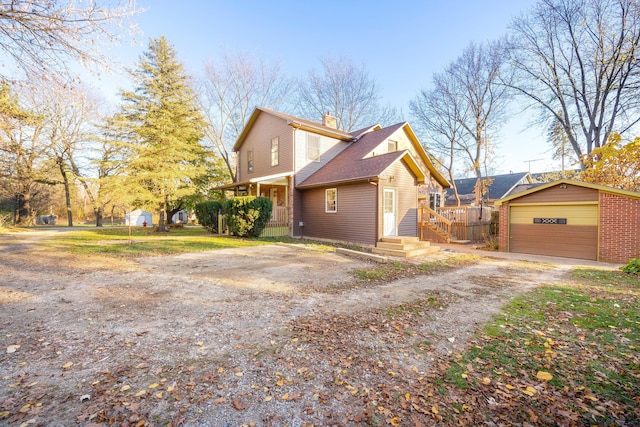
{"x": 279, "y": 217}
{"x": 467, "y": 222}
{"x": 433, "y": 226}
{"x": 278, "y": 225}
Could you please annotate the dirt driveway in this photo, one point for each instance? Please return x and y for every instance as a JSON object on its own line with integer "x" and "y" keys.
{"x": 268, "y": 335}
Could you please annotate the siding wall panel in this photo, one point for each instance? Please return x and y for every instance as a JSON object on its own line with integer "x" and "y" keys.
{"x": 355, "y": 220}
{"x": 329, "y": 148}
{"x": 572, "y": 193}
{"x": 407, "y": 203}
{"x": 266, "y": 127}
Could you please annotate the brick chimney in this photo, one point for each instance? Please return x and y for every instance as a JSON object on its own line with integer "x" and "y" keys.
{"x": 329, "y": 121}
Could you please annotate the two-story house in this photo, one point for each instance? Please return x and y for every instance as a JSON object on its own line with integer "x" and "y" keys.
{"x": 329, "y": 184}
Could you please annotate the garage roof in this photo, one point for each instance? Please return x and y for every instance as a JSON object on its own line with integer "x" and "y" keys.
{"x": 598, "y": 187}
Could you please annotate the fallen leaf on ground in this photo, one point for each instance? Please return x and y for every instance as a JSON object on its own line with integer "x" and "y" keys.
{"x": 545, "y": 376}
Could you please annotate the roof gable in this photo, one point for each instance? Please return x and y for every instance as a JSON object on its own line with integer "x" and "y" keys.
{"x": 294, "y": 122}
{"x": 356, "y": 162}
{"x": 598, "y": 187}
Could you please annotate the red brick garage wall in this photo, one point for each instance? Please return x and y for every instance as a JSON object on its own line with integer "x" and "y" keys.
{"x": 503, "y": 228}
{"x": 619, "y": 228}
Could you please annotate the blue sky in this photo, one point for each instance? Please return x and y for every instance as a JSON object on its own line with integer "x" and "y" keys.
{"x": 401, "y": 44}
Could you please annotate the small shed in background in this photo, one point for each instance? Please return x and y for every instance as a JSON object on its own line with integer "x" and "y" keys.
{"x": 138, "y": 218}
{"x": 572, "y": 219}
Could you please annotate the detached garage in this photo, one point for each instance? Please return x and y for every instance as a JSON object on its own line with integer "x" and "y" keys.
{"x": 572, "y": 219}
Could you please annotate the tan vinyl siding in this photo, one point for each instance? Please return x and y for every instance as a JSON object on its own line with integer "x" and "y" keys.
{"x": 355, "y": 220}
{"x": 259, "y": 138}
{"x": 404, "y": 143}
{"x": 407, "y": 202}
{"x": 556, "y": 193}
{"x": 329, "y": 148}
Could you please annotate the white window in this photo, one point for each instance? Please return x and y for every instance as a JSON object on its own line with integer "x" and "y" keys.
{"x": 393, "y": 146}
{"x": 313, "y": 147}
{"x": 435, "y": 200}
{"x": 331, "y": 200}
{"x": 250, "y": 161}
{"x": 275, "y": 148}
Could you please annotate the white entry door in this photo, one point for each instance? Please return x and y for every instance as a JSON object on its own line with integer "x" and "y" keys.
{"x": 389, "y": 208}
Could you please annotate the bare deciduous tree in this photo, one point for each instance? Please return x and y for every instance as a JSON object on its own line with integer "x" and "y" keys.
{"x": 480, "y": 71}
{"x": 437, "y": 114}
{"x": 42, "y": 36}
{"x": 578, "y": 61}
{"x": 229, "y": 93}
{"x": 465, "y": 107}
{"x": 347, "y": 92}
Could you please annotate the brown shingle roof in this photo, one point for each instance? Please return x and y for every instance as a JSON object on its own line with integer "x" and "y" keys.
{"x": 351, "y": 164}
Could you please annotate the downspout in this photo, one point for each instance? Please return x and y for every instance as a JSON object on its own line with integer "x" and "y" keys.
{"x": 293, "y": 185}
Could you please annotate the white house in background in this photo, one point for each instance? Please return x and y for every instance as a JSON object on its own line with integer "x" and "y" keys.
{"x": 180, "y": 217}
{"x": 138, "y": 218}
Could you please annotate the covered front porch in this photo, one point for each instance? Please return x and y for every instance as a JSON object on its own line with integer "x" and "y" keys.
{"x": 276, "y": 187}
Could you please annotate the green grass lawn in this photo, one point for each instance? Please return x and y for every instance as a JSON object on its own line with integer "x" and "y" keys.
{"x": 117, "y": 242}
{"x": 567, "y": 354}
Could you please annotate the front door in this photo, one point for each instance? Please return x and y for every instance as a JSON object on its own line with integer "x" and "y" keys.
{"x": 389, "y": 209}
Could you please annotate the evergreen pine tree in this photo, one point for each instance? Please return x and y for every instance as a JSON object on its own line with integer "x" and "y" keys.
{"x": 163, "y": 128}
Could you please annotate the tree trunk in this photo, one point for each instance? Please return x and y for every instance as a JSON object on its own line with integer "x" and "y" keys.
{"x": 172, "y": 212}
{"x": 99, "y": 214}
{"x": 161, "y": 227}
{"x": 67, "y": 194}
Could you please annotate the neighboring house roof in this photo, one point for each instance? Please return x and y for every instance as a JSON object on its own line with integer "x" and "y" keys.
{"x": 352, "y": 164}
{"x": 500, "y": 186}
{"x": 295, "y": 122}
{"x": 598, "y": 187}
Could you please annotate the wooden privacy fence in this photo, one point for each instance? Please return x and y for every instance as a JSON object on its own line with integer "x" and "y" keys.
{"x": 468, "y": 222}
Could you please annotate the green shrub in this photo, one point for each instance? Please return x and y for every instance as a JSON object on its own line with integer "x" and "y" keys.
{"x": 632, "y": 267}
{"x": 248, "y": 216}
{"x": 207, "y": 214}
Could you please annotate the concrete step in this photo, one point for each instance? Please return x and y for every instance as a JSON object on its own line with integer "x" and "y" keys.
{"x": 406, "y": 253}
{"x": 400, "y": 239}
{"x": 403, "y": 246}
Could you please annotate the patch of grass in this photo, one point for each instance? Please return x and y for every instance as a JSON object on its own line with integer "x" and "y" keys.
{"x": 117, "y": 242}
{"x": 390, "y": 271}
{"x": 585, "y": 335}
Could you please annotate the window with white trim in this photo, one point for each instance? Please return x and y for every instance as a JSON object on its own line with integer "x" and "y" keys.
{"x": 331, "y": 200}
{"x": 435, "y": 200}
{"x": 275, "y": 148}
{"x": 313, "y": 147}
{"x": 250, "y": 161}
{"x": 393, "y": 146}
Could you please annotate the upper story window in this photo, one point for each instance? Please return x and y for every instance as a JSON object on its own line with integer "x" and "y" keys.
{"x": 331, "y": 200}
{"x": 275, "y": 149}
{"x": 393, "y": 146}
{"x": 313, "y": 147}
{"x": 250, "y": 161}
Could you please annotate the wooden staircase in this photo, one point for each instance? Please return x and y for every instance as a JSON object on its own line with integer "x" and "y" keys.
{"x": 404, "y": 246}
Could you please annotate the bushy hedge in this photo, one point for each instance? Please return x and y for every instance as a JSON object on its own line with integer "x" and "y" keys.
{"x": 207, "y": 214}
{"x": 248, "y": 216}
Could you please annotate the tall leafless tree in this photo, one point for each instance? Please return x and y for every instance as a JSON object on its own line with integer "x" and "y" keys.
{"x": 43, "y": 36}
{"x": 436, "y": 113}
{"x": 578, "y": 60}
{"x": 466, "y": 106}
{"x": 347, "y": 92}
{"x": 230, "y": 90}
